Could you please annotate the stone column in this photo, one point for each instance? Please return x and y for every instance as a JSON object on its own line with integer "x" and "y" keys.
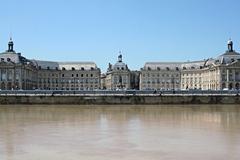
{"x": 209, "y": 80}
{"x": 13, "y": 79}
{"x": 233, "y": 78}
{"x": 25, "y": 77}
{"x": 21, "y": 78}
{"x": 219, "y": 79}
{"x": 216, "y": 79}
{"x": 227, "y": 83}
{"x": 233, "y": 75}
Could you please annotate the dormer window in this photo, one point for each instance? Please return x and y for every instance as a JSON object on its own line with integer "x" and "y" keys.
{"x": 122, "y": 68}
{"x": 73, "y": 69}
{"x": 177, "y": 69}
{"x": 8, "y": 59}
{"x": 48, "y": 68}
{"x": 63, "y": 68}
{"x": 167, "y": 68}
{"x": 2, "y": 59}
{"x": 82, "y": 68}
{"x": 39, "y": 67}
{"x": 158, "y": 68}
{"x": 56, "y": 68}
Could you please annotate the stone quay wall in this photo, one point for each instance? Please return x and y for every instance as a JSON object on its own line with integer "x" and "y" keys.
{"x": 120, "y": 99}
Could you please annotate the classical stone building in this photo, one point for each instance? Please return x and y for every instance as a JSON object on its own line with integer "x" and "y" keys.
{"x": 118, "y": 75}
{"x": 160, "y": 76}
{"x": 68, "y": 75}
{"x": 20, "y": 73}
{"x": 222, "y": 72}
{"x": 16, "y": 72}
{"x": 192, "y": 74}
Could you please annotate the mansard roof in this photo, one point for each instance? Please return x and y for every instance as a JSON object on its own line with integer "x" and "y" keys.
{"x": 120, "y": 66}
{"x": 162, "y": 65}
{"x": 13, "y": 57}
{"x": 66, "y": 65}
{"x": 227, "y": 58}
{"x": 10, "y": 56}
{"x": 194, "y": 64}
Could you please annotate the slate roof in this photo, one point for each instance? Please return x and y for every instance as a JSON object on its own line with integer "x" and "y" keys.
{"x": 66, "y": 65}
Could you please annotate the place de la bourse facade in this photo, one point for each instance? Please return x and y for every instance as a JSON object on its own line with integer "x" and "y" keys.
{"x": 20, "y": 73}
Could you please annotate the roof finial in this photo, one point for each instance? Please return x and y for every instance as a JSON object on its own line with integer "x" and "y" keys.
{"x": 120, "y": 56}
{"x": 10, "y": 45}
{"x": 229, "y": 40}
{"x": 230, "y": 45}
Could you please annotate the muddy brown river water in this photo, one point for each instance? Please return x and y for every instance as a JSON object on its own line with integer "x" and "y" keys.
{"x": 169, "y": 132}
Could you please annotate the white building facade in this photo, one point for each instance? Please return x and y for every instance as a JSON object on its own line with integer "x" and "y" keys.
{"x": 17, "y": 72}
{"x": 118, "y": 76}
{"x": 68, "y": 75}
{"x": 20, "y": 73}
{"x": 160, "y": 76}
{"x": 222, "y": 72}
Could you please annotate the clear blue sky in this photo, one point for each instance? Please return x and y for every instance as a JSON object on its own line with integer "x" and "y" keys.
{"x": 95, "y": 30}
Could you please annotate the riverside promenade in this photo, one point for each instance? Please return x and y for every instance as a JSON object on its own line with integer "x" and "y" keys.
{"x": 128, "y": 97}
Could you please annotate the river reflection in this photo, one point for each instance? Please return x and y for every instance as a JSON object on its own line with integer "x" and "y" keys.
{"x": 119, "y": 132}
